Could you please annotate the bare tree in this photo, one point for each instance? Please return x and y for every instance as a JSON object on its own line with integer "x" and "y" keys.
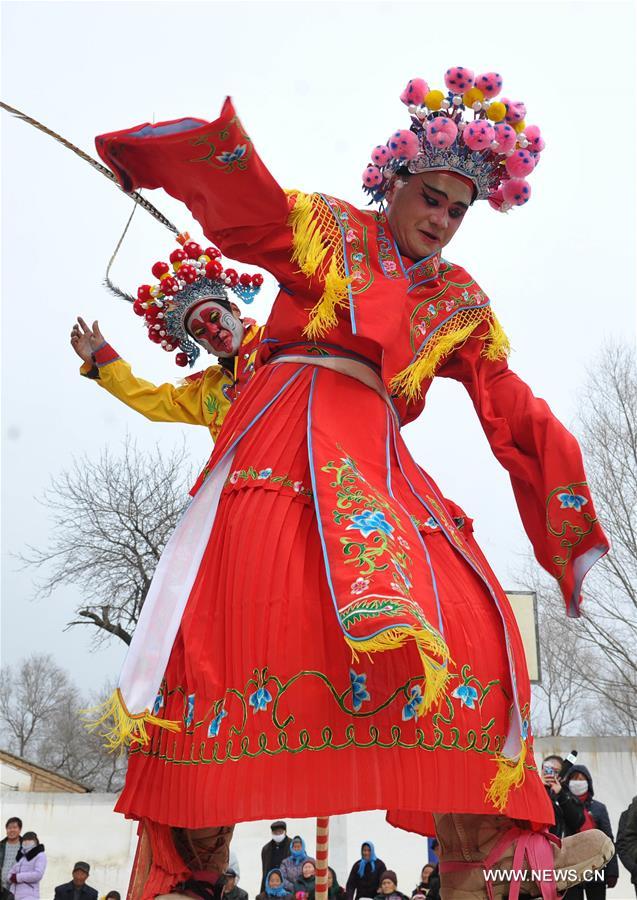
{"x": 30, "y": 696}
{"x": 608, "y": 435}
{"x": 67, "y": 747}
{"x": 590, "y": 664}
{"x": 112, "y": 518}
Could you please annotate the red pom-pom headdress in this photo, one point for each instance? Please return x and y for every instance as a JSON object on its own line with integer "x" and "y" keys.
{"x": 192, "y": 276}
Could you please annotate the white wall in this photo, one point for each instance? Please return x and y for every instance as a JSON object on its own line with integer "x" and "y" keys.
{"x": 83, "y": 826}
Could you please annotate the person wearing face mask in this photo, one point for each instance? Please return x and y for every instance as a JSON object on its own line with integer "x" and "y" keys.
{"x": 569, "y": 816}
{"x": 580, "y": 784}
{"x": 316, "y": 544}
{"x": 29, "y": 868}
{"x": 197, "y": 315}
{"x": 275, "y": 851}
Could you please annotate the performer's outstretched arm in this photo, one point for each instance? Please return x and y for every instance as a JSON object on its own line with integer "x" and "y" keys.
{"x": 544, "y": 462}
{"x": 214, "y": 169}
{"x": 200, "y": 401}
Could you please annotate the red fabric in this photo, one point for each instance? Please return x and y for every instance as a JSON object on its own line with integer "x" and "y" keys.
{"x": 274, "y": 722}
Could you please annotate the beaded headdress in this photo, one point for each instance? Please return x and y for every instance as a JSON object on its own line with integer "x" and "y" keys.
{"x": 194, "y": 275}
{"x": 495, "y": 148}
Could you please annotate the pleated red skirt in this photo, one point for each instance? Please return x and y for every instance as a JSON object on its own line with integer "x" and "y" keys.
{"x": 278, "y": 719}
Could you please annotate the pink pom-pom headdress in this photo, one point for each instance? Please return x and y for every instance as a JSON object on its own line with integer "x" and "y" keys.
{"x": 494, "y": 149}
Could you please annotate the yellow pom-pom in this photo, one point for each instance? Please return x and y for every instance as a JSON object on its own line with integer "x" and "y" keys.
{"x": 519, "y": 126}
{"x": 473, "y": 95}
{"x": 176, "y": 265}
{"x": 496, "y": 111}
{"x": 433, "y": 99}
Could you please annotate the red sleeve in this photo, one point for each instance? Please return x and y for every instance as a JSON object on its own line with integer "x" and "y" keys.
{"x": 544, "y": 462}
{"x": 214, "y": 169}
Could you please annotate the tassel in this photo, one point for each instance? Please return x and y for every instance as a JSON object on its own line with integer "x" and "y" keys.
{"x": 436, "y": 674}
{"x": 510, "y": 774}
{"x": 323, "y": 315}
{"x": 497, "y": 344}
{"x": 124, "y": 727}
{"x": 408, "y": 383}
{"x": 310, "y": 250}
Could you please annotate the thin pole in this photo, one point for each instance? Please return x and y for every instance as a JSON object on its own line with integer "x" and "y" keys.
{"x": 322, "y": 849}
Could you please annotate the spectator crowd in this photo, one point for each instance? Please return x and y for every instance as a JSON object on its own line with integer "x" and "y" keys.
{"x": 288, "y": 871}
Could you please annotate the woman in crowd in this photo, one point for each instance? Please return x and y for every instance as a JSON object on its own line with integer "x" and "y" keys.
{"x": 364, "y": 879}
{"x": 292, "y": 867}
{"x": 307, "y": 881}
{"x": 274, "y": 887}
{"x": 29, "y": 868}
{"x": 389, "y": 887}
{"x": 429, "y": 886}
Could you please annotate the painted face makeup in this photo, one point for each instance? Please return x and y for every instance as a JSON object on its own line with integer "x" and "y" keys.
{"x": 216, "y": 328}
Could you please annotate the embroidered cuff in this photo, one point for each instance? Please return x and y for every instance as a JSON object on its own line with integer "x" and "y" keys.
{"x": 104, "y": 355}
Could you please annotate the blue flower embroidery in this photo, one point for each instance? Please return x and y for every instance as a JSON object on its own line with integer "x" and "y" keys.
{"x": 572, "y": 501}
{"x": 159, "y": 702}
{"x": 359, "y": 689}
{"x": 215, "y": 725}
{"x": 431, "y": 522}
{"x": 260, "y": 699}
{"x": 370, "y": 520}
{"x": 230, "y": 156}
{"x": 466, "y": 694}
{"x": 525, "y": 729}
{"x": 190, "y": 710}
{"x": 413, "y": 708}
{"x": 265, "y": 473}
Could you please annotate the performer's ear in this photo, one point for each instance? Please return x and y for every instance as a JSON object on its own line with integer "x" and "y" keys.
{"x": 235, "y": 310}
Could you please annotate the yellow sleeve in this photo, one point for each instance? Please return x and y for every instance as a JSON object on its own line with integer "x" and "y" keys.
{"x": 200, "y": 401}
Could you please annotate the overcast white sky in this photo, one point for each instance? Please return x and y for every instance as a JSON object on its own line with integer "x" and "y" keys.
{"x": 317, "y": 87}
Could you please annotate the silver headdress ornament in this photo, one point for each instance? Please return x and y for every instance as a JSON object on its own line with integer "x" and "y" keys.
{"x": 495, "y": 149}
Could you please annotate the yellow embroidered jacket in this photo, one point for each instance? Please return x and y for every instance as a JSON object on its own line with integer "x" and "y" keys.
{"x": 202, "y": 399}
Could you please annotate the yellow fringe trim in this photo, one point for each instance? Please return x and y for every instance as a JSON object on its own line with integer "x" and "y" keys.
{"x": 436, "y": 673}
{"x": 408, "y": 383}
{"x": 124, "y": 727}
{"x": 510, "y": 774}
{"x": 310, "y": 249}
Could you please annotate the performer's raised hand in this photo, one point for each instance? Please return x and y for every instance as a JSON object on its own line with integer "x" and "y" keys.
{"x": 85, "y": 340}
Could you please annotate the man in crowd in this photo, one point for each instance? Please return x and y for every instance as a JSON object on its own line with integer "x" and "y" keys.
{"x": 275, "y": 851}
{"x": 77, "y": 888}
{"x": 230, "y": 889}
{"x": 9, "y": 847}
{"x": 569, "y": 815}
{"x": 627, "y": 840}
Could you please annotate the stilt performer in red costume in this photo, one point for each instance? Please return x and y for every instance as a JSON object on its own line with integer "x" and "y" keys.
{"x": 323, "y": 633}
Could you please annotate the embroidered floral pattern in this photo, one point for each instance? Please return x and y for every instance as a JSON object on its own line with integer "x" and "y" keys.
{"x": 359, "y": 586}
{"x": 158, "y": 704}
{"x": 190, "y": 710}
{"x": 413, "y": 708}
{"x": 387, "y": 253}
{"x": 274, "y": 698}
{"x": 360, "y": 694}
{"x": 221, "y": 157}
{"x": 355, "y": 249}
{"x": 571, "y": 532}
{"x": 467, "y": 695}
{"x": 215, "y": 724}
{"x": 369, "y": 521}
{"x": 252, "y": 474}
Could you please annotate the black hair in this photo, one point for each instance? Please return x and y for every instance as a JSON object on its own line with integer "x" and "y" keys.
{"x": 114, "y": 894}
{"x": 553, "y": 756}
{"x": 31, "y": 836}
{"x": 13, "y": 819}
